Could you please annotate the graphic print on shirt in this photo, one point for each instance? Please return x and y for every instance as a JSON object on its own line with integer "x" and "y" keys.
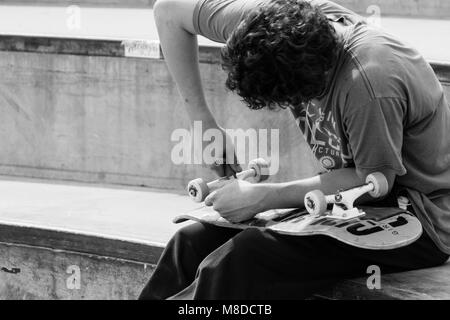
{"x": 319, "y": 129}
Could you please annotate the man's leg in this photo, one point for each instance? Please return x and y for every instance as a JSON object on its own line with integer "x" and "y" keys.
{"x": 178, "y": 264}
{"x": 262, "y": 265}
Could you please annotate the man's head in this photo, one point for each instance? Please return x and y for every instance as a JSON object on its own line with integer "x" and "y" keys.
{"x": 280, "y": 55}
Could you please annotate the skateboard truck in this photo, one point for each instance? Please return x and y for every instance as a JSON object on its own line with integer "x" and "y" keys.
{"x": 198, "y": 189}
{"x": 316, "y": 202}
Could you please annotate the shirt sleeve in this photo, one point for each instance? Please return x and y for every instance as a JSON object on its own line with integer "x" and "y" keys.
{"x": 336, "y": 12}
{"x": 375, "y": 135}
{"x": 216, "y": 19}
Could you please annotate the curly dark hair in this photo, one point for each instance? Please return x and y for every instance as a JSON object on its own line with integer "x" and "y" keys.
{"x": 280, "y": 55}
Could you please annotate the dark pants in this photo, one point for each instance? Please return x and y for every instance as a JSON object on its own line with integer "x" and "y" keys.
{"x": 206, "y": 262}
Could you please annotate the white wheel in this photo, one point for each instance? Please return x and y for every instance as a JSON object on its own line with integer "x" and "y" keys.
{"x": 315, "y": 202}
{"x": 198, "y": 190}
{"x": 261, "y": 167}
{"x": 380, "y": 184}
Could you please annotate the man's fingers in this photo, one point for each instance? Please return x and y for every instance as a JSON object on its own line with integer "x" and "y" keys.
{"x": 224, "y": 169}
{"x": 229, "y": 171}
{"x": 236, "y": 166}
{"x": 209, "y": 201}
{"x": 218, "y": 169}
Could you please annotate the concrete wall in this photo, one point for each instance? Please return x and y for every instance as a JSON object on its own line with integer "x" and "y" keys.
{"x": 110, "y": 119}
{"x": 44, "y": 260}
{"x": 33, "y": 273}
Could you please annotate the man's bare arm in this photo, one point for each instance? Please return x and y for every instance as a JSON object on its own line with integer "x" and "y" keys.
{"x": 291, "y": 194}
{"x": 174, "y": 21}
{"x": 240, "y": 200}
{"x": 179, "y": 44}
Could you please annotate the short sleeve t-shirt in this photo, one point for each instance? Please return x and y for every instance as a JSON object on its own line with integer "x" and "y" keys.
{"x": 384, "y": 109}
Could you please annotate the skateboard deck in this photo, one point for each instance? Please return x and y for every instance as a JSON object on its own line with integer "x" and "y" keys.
{"x": 378, "y": 229}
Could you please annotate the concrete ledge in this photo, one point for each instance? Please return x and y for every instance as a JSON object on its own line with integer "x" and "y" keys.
{"x": 113, "y": 48}
{"x": 78, "y": 242}
{"x": 426, "y": 284}
{"x": 86, "y": 47}
{"x": 105, "y": 274}
{"x": 125, "y": 223}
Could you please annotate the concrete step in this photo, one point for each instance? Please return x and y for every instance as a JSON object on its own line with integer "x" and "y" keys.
{"x": 131, "y": 23}
{"x": 60, "y": 241}
{"x": 138, "y": 215}
{"x": 426, "y": 284}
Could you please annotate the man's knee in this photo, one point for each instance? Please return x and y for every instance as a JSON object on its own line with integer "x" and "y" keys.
{"x": 202, "y": 238}
{"x": 239, "y": 251}
{"x": 188, "y": 234}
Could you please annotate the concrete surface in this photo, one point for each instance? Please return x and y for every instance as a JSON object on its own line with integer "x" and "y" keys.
{"x": 433, "y": 9}
{"x": 87, "y": 3}
{"x": 132, "y": 214}
{"x": 118, "y": 23}
{"x": 96, "y": 23}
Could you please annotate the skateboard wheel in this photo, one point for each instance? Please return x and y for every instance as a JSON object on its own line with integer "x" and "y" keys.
{"x": 261, "y": 167}
{"x": 380, "y": 184}
{"x": 315, "y": 202}
{"x": 198, "y": 190}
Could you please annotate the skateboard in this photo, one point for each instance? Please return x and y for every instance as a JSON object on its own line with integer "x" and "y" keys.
{"x": 363, "y": 227}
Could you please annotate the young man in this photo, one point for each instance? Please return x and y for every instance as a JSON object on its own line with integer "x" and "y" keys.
{"x": 354, "y": 89}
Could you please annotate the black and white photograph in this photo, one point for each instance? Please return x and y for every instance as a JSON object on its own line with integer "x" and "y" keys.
{"x": 232, "y": 152}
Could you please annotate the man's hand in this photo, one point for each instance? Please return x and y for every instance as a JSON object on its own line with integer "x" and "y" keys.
{"x": 222, "y": 167}
{"x": 239, "y": 200}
